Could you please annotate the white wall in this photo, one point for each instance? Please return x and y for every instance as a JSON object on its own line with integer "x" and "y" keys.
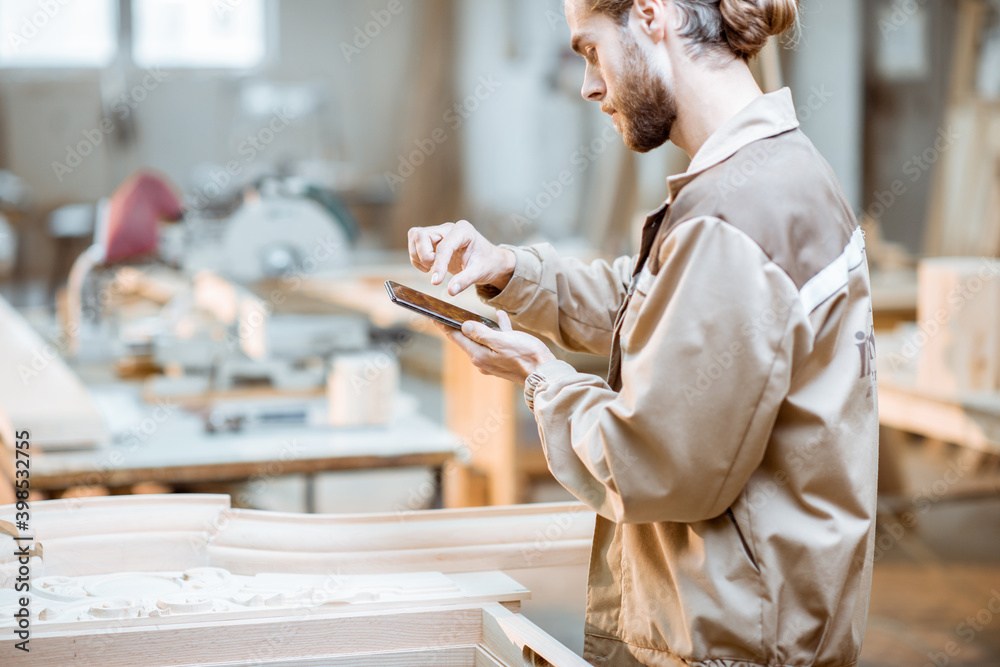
{"x": 188, "y": 118}
{"x": 826, "y": 75}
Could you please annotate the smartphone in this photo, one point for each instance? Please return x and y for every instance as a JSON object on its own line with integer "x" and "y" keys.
{"x": 436, "y": 309}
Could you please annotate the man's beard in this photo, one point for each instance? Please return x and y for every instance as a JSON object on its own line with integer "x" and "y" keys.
{"x": 646, "y": 107}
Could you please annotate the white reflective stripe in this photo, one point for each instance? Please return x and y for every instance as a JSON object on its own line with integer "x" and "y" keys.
{"x": 831, "y": 279}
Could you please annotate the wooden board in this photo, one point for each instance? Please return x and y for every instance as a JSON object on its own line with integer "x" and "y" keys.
{"x": 480, "y": 409}
{"x": 39, "y": 393}
{"x": 962, "y": 217}
{"x": 460, "y": 635}
{"x": 958, "y": 312}
{"x": 202, "y": 530}
{"x": 135, "y": 581}
{"x": 973, "y": 423}
{"x": 970, "y": 419}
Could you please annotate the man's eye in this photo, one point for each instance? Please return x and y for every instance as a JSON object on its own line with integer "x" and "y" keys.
{"x": 591, "y": 55}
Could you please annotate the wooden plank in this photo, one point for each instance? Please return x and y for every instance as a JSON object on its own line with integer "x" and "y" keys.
{"x": 310, "y": 635}
{"x": 485, "y": 658}
{"x": 433, "y": 193}
{"x": 977, "y": 427}
{"x": 40, "y": 393}
{"x": 768, "y": 66}
{"x": 954, "y": 193}
{"x": 452, "y": 656}
{"x": 445, "y": 559}
{"x": 500, "y": 623}
{"x": 103, "y": 515}
{"x": 497, "y": 641}
{"x": 481, "y": 410}
{"x": 328, "y": 534}
{"x": 203, "y": 530}
{"x": 971, "y": 19}
{"x": 959, "y": 313}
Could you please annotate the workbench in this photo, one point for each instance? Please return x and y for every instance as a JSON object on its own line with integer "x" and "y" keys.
{"x": 178, "y": 450}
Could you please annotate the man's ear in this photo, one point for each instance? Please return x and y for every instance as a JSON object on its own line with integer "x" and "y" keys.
{"x": 651, "y": 17}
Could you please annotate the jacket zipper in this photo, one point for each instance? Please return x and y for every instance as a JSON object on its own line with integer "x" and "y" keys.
{"x": 743, "y": 541}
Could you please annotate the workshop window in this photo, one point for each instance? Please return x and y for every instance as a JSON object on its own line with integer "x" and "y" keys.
{"x": 228, "y": 34}
{"x": 58, "y": 33}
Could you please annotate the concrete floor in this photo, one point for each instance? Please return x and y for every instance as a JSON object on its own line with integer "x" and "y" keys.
{"x": 936, "y": 587}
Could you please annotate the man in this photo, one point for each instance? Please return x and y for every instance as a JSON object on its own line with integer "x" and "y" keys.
{"x": 731, "y": 455}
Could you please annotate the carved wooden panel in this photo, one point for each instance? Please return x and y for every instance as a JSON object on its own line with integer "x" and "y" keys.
{"x": 175, "y": 580}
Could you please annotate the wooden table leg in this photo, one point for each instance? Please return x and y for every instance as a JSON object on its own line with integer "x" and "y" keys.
{"x": 482, "y": 411}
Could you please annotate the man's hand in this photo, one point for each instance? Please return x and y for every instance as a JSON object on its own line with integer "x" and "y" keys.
{"x": 508, "y": 354}
{"x": 457, "y": 248}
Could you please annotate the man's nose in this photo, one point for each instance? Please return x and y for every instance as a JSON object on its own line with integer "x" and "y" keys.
{"x": 593, "y": 87}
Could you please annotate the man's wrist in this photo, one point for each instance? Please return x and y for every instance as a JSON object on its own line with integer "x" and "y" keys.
{"x": 508, "y": 261}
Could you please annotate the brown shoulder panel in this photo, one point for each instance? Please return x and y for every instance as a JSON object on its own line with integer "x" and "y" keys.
{"x": 782, "y": 194}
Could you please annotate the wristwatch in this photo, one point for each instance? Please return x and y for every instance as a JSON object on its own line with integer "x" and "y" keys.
{"x": 531, "y": 384}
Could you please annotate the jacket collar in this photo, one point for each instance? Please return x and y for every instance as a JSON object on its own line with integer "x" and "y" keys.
{"x": 767, "y": 116}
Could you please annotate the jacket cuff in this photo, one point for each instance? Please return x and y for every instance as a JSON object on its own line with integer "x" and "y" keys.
{"x": 522, "y": 287}
{"x": 545, "y": 374}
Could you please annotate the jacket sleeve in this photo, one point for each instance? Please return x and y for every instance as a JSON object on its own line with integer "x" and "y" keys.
{"x": 571, "y": 302}
{"x": 706, "y": 364}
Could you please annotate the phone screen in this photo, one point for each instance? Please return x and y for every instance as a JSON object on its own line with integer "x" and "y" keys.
{"x": 425, "y": 304}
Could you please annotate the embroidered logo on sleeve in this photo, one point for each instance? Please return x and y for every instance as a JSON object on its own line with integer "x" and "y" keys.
{"x": 866, "y": 350}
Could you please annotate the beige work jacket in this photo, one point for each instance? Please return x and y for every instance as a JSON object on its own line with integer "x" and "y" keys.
{"x": 731, "y": 456}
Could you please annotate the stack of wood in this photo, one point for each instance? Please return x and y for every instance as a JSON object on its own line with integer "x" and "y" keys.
{"x": 958, "y": 314}
{"x": 964, "y": 216}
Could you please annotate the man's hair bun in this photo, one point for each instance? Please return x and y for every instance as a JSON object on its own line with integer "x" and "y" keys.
{"x": 747, "y": 24}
